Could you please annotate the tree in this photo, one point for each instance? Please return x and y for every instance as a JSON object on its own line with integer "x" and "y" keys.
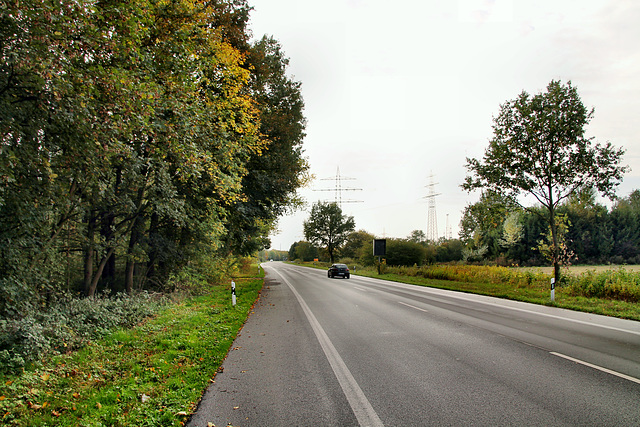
{"x": 482, "y": 222}
{"x": 148, "y": 132}
{"x": 417, "y": 236}
{"x": 405, "y": 252}
{"x": 279, "y": 168}
{"x": 539, "y": 148}
{"x": 355, "y": 242}
{"x": 588, "y": 236}
{"x": 303, "y": 251}
{"x": 327, "y": 227}
{"x": 624, "y": 221}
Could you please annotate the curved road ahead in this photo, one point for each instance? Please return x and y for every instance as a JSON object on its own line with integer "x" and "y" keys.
{"x": 334, "y": 352}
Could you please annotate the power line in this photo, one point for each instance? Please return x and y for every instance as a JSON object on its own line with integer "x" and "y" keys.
{"x": 338, "y": 188}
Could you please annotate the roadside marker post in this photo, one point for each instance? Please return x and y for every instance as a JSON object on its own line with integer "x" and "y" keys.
{"x": 553, "y": 289}
{"x": 233, "y": 293}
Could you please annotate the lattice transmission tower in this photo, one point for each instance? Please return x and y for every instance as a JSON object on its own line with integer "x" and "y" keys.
{"x": 432, "y": 219}
{"x": 338, "y": 188}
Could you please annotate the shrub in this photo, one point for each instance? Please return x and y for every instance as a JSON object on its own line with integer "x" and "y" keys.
{"x": 69, "y": 323}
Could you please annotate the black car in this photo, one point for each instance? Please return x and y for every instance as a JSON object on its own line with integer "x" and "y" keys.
{"x": 339, "y": 270}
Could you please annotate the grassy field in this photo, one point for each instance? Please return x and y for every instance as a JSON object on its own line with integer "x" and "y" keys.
{"x": 151, "y": 375}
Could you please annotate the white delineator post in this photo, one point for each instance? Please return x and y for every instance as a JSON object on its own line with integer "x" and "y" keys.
{"x": 233, "y": 293}
{"x": 553, "y": 289}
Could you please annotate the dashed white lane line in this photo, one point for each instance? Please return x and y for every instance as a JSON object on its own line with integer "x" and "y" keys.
{"x": 413, "y": 306}
{"x": 599, "y": 368}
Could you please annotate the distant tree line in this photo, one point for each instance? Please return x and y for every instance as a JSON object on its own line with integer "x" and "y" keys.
{"x": 358, "y": 248}
{"x": 137, "y": 138}
{"x": 272, "y": 255}
{"x": 496, "y": 230}
{"x": 590, "y": 233}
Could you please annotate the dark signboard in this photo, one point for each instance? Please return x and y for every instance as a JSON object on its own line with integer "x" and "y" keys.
{"x": 379, "y": 247}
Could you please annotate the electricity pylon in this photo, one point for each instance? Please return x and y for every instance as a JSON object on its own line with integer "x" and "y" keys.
{"x": 339, "y": 188}
{"x": 432, "y": 220}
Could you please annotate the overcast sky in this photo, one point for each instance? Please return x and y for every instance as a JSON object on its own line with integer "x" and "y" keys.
{"x": 398, "y": 91}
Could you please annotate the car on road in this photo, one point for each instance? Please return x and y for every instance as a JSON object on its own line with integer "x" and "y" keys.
{"x": 338, "y": 270}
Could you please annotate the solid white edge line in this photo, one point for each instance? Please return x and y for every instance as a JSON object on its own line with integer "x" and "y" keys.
{"x": 359, "y": 403}
{"x": 507, "y": 307}
{"x": 599, "y": 368}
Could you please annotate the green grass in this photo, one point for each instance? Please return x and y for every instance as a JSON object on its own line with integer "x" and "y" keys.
{"x": 151, "y": 375}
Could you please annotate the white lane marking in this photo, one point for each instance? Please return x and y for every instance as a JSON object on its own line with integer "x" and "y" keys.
{"x": 496, "y": 304}
{"x": 360, "y": 289}
{"x": 600, "y": 368}
{"x": 413, "y": 306}
{"x": 360, "y": 405}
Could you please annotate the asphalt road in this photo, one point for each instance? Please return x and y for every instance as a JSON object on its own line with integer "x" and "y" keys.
{"x": 336, "y": 352}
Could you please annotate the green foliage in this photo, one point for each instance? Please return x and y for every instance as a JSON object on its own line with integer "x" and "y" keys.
{"x": 512, "y": 230}
{"x": 404, "y": 252}
{"x": 546, "y": 245}
{"x": 483, "y": 224}
{"x": 136, "y": 136}
{"x": 303, "y": 251}
{"x": 68, "y": 324}
{"x": 619, "y": 285}
{"x": 588, "y": 232}
{"x": 278, "y": 169}
{"x": 355, "y": 241}
{"x": 539, "y": 148}
{"x": 327, "y": 227}
{"x": 153, "y": 374}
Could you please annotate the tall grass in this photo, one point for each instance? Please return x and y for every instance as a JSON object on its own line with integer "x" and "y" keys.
{"x": 620, "y": 285}
{"x": 475, "y": 274}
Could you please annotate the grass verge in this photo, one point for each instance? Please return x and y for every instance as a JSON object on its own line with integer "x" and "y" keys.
{"x": 151, "y": 375}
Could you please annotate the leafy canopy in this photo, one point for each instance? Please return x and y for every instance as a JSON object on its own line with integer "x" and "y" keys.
{"x": 328, "y": 227}
{"x": 539, "y": 148}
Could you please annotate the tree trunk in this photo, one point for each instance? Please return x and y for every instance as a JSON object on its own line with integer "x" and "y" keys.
{"x": 109, "y": 271}
{"x": 556, "y": 248}
{"x": 153, "y": 252}
{"x": 88, "y": 253}
{"x": 133, "y": 240}
{"x": 96, "y": 278}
